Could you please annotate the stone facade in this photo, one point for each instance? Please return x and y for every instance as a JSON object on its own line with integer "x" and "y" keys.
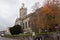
{"x": 23, "y": 20}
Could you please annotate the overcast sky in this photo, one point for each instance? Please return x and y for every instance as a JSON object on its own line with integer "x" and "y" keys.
{"x": 9, "y": 10}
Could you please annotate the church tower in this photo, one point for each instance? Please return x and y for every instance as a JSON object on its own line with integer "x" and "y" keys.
{"x": 23, "y": 11}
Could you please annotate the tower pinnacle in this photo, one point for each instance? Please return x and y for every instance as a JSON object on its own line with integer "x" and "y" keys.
{"x": 23, "y": 5}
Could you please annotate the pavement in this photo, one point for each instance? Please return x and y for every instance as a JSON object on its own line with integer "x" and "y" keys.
{"x": 2, "y": 38}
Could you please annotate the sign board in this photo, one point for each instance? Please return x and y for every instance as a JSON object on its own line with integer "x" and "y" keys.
{"x": 56, "y": 27}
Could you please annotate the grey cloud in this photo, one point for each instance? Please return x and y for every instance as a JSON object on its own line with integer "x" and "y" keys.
{"x": 8, "y": 13}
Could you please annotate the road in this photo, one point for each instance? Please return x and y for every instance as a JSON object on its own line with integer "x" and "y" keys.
{"x": 2, "y": 38}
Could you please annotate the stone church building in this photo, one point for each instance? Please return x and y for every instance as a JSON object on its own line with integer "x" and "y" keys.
{"x": 32, "y": 22}
{"x": 27, "y": 21}
{"x": 23, "y": 20}
{"x": 40, "y": 19}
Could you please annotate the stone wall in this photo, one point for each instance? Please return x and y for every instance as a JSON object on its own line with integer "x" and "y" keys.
{"x": 52, "y": 36}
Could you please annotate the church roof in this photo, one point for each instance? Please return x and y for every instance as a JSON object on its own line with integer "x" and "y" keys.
{"x": 31, "y": 14}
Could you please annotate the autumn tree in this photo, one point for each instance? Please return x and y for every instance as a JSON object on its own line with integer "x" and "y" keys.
{"x": 52, "y": 10}
{"x": 46, "y": 16}
{"x": 35, "y": 6}
{"x": 33, "y": 22}
{"x": 37, "y": 20}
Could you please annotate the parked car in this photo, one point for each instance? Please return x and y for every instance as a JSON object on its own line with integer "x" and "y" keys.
{"x": 2, "y": 35}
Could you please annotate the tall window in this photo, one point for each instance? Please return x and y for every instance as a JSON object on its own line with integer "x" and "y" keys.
{"x": 29, "y": 23}
{"x": 26, "y": 24}
{"x": 23, "y": 25}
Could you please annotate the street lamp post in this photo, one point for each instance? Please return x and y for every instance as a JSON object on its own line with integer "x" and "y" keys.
{"x": 57, "y": 29}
